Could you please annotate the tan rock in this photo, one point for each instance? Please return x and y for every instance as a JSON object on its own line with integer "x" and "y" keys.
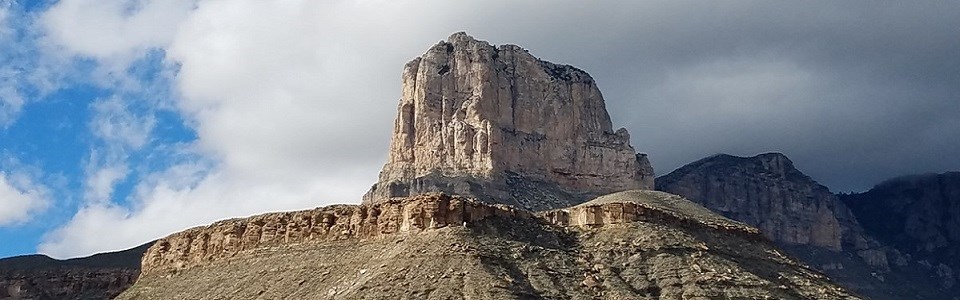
{"x": 222, "y": 239}
{"x": 474, "y": 115}
{"x": 639, "y": 245}
{"x": 645, "y": 206}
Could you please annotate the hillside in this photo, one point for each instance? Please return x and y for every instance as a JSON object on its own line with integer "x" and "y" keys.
{"x": 40, "y": 277}
{"x": 628, "y": 247}
{"x": 899, "y": 232}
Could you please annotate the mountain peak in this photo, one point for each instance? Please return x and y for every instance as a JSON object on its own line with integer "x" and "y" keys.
{"x": 768, "y": 192}
{"x": 506, "y": 127}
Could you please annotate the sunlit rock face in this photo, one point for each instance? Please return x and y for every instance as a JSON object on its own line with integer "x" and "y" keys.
{"x": 499, "y": 124}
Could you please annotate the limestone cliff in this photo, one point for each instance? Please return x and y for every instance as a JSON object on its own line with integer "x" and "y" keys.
{"x": 499, "y": 124}
{"x": 768, "y": 192}
{"x": 811, "y": 223}
{"x": 629, "y": 245}
{"x": 201, "y": 245}
{"x": 919, "y": 217}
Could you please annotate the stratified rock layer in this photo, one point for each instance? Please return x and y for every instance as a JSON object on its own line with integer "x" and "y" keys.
{"x": 200, "y": 245}
{"x": 501, "y": 125}
{"x": 630, "y": 245}
{"x": 655, "y": 207}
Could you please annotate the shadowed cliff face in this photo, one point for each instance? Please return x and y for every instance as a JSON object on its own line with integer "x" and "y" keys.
{"x": 919, "y": 216}
{"x": 628, "y": 245}
{"x": 766, "y": 191}
{"x": 101, "y": 276}
{"x": 814, "y": 225}
{"x": 501, "y": 125}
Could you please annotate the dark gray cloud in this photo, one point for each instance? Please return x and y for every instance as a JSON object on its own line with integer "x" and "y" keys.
{"x": 854, "y": 92}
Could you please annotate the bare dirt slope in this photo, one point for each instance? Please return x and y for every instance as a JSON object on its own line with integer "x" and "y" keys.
{"x": 500, "y": 256}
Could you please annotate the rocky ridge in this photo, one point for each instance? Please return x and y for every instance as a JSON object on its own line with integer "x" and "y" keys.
{"x": 813, "y": 224}
{"x": 918, "y": 218}
{"x": 658, "y": 207}
{"x": 501, "y": 125}
{"x": 200, "y": 245}
{"x": 636, "y": 245}
{"x": 101, "y": 276}
{"x": 768, "y": 192}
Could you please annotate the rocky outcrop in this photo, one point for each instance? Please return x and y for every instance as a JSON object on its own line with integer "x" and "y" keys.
{"x": 71, "y": 283}
{"x": 456, "y": 248}
{"x": 811, "y": 223}
{"x": 227, "y": 238}
{"x": 768, "y": 192}
{"x": 646, "y": 206}
{"x": 919, "y": 216}
{"x": 101, "y": 276}
{"x": 501, "y": 125}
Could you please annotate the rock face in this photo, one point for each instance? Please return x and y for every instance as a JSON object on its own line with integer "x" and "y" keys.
{"x": 222, "y": 239}
{"x": 70, "y": 283}
{"x": 811, "y": 223}
{"x": 768, "y": 192}
{"x": 918, "y": 216}
{"x": 630, "y": 245}
{"x": 102, "y": 276}
{"x": 656, "y": 207}
{"x": 501, "y": 125}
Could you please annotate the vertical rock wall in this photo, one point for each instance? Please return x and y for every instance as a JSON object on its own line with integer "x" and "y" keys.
{"x": 766, "y": 191}
{"x": 200, "y": 245}
{"x": 472, "y": 114}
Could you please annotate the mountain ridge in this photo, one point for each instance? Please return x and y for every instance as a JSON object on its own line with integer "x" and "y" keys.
{"x": 99, "y": 276}
{"x": 767, "y": 191}
{"x": 628, "y": 245}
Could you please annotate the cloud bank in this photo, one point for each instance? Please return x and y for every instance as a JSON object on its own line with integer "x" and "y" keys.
{"x": 292, "y": 101}
{"x": 20, "y": 199}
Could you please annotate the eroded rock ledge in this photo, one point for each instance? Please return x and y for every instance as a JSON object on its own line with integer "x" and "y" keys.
{"x": 644, "y": 206}
{"x": 228, "y": 238}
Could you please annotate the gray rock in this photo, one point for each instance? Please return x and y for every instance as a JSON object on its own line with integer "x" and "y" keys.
{"x": 766, "y": 191}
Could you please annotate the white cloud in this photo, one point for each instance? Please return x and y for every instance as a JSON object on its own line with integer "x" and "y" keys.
{"x": 20, "y": 199}
{"x": 11, "y": 102}
{"x": 114, "y": 31}
{"x": 27, "y": 71}
{"x": 116, "y": 123}
{"x": 293, "y": 101}
{"x": 10, "y": 99}
{"x": 183, "y": 196}
{"x": 100, "y": 182}
{"x": 281, "y": 100}
{"x": 121, "y": 131}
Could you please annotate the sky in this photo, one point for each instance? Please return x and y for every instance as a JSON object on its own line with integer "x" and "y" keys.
{"x": 122, "y": 121}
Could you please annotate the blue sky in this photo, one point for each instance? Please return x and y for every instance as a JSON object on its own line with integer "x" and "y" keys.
{"x": 58, "y": 128}
{"x": 122, "y": 121}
